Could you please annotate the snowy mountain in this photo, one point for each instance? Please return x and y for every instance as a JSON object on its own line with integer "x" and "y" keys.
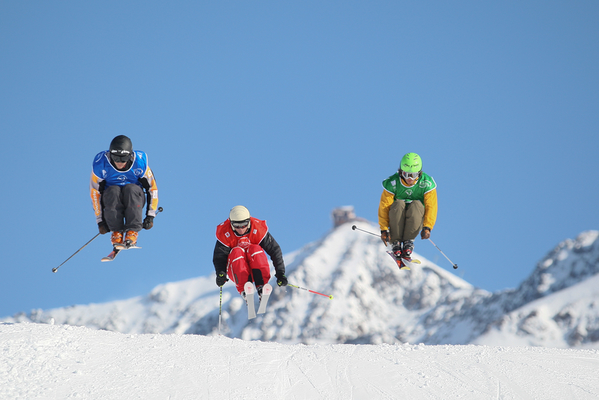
{"x": 374, "y": 302}
{"x": 558, "y": 305}
{"x": 563, "y": 271}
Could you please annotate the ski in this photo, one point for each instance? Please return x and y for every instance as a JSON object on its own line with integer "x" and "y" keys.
{"x": 120, "y": 246}
{"x": 249, "y": 299}
{"x": 116, "y": 250}
{"x": 403, "y": 263}
{"x": 111, "y": 256}
{"x": 266, "y": 291}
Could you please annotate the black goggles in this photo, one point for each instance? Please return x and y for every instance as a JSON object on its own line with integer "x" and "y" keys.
{"x": 120, "y": 156}
{"x": 240, "y": 224}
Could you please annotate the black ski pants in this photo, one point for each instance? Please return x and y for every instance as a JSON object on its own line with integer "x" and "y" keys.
{"x": 123, "y": 207}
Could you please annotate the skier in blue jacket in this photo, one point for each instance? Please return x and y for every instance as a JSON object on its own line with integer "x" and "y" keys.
{"x": 118, "y": 181}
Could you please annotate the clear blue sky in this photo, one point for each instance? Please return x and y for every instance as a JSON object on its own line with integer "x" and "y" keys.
{"x": 292, "y": 109}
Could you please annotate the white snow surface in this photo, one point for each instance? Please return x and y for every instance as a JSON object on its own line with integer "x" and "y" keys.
{"x": 44, "y": 361}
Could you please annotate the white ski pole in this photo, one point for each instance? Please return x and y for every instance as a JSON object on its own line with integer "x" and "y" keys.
{"x": 455, "y": 266}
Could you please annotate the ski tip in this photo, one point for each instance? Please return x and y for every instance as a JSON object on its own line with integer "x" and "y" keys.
{"x": 266, "y": 289}
{"x": 248, "y": 288}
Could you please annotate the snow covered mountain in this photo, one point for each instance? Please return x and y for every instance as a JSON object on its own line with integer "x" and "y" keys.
{"x": 558, "y": 305}
{"x": 374, "y": 302}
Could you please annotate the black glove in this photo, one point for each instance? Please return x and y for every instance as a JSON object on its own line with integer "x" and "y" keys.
{"x": 148, "y": 222}
{"x": 385, "y": 237}
{"x": 221, "y": 279}
{"x": 103, "y": 228}
{"x": 281, "y": 280}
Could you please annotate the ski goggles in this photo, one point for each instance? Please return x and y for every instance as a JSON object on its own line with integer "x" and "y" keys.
{"x": 120, "y": 156}
{"x": 240, "y": 224}
{"x": 410, "y": 175}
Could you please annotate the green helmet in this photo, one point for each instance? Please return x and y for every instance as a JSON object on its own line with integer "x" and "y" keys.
{"x": 411, "y": 162}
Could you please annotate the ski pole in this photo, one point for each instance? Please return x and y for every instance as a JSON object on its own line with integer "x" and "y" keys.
{"x": 56, "y": 269}
{"x": 220, "y": 309}
{"x": 330, "y": 296}
{"x": 455, "y": 266}
{"x": 91, "y": 240}
{"x": 371, "y": 233}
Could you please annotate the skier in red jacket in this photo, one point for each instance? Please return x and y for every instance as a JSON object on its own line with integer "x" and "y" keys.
{"x": 239, "y": 252}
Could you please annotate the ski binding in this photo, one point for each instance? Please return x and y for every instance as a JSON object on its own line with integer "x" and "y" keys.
{"x": 123, "y": 246}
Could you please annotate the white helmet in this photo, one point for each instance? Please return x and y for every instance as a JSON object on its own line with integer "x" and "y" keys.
{"x": 239, "y": 213}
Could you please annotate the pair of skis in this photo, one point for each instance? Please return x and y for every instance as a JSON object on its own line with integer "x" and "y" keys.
{"x": 249, "y": 298}
{"x": 116, "y": 250}
{"x": 402, "y": 263}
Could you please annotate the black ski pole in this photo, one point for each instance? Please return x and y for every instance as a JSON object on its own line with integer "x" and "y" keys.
{"x": 455, "y": 266}
{"x": 220, "y": 309}
{"x": 56, "y": 269}
{"x": 91, "y": 240}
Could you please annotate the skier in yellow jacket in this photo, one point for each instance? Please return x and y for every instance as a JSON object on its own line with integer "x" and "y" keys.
{"x": 408, "y": 206}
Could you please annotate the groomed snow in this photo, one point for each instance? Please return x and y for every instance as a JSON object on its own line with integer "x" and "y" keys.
{"x": 43, "y": 361}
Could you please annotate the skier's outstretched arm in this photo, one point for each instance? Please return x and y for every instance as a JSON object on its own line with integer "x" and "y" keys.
{"x": 272, "y": 248}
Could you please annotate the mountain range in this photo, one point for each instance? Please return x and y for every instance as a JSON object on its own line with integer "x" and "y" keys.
{"x": 374, "y": 302}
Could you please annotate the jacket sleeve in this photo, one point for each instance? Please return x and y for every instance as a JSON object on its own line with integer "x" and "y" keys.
{"x": 96, "y": 195}
{"x": 148, "y": 182}
{"x": 272, "y": 248}
{"x": 387, "y": 199}
{"x": 220, "y": 257}
{"x": 430, "y": 208}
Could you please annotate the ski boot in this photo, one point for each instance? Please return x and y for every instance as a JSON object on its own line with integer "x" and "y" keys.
{"x": 116, "y": 238}
{"x": 131, "y": 239}
{"x": 408, "y": 248}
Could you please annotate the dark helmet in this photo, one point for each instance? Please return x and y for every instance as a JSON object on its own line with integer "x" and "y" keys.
{"x": 121, "y": 149}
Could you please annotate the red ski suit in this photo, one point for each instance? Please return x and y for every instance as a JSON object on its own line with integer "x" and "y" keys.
{"x": 247, "y": 257}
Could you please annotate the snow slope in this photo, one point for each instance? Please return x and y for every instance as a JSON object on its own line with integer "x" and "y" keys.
{"x": 43, "y": 361}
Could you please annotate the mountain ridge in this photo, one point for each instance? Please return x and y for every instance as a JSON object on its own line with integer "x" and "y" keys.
{"x": 374, "y": 302}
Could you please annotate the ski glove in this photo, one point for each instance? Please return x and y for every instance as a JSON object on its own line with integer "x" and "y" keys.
{"x": 281, "y": 280}
{"x": 425, "y": 233}
{"x": 148, "y": 222}
{"x": 221, "y": 279}
{"x": 103, "y": 228}
{"x": 385, "y": 237}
